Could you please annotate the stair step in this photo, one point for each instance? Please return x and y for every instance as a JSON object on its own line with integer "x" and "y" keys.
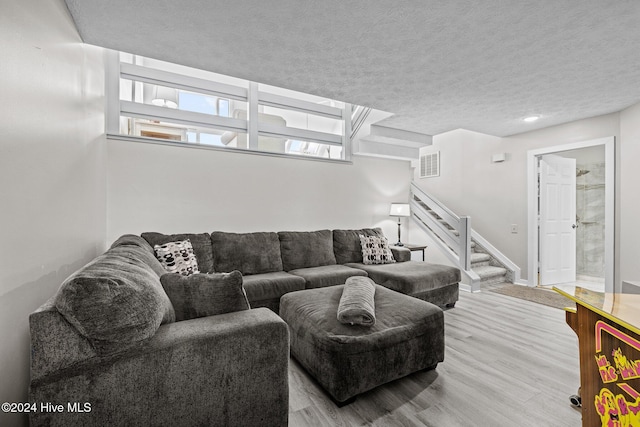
{"x": 478, "y": 257}
{"x": 489, "y": 272}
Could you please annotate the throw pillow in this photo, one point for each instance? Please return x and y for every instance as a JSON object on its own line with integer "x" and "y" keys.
{"x": 201, "y": 295}
{"x": 375, "y": 250}
{"x": 177, "y": 257}
{"x": 201, "y": 243}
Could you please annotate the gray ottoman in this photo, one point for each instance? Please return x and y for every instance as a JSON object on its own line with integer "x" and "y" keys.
{"x": 348, "y": 359}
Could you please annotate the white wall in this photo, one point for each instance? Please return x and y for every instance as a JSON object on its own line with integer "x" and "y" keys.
{"x": 495, "y": 194}
{"x": 629, "y": 156}
{"x": 154, "y": 187}
{"x": 52, "y": 217}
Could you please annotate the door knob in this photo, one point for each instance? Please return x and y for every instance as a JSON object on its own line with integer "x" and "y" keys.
{"x": 574, "y": 226}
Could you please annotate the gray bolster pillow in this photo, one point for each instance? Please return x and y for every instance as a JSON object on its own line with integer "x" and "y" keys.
{"x": 357, "y": 306}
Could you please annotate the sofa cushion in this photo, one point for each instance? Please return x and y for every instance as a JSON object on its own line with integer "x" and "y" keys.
{"x": 116, "y": 300}
{"x": 177, "y": 257}
{"x": 249, "y": 253}
{"x": 346, "y": 244}
{"x": 411, "y": 277}
{"x": 266, "y": 286}
{"x": 375, "y": 250}
{"x": 326, "y": 275}
{"x": 303, "y": 249}
{"x": 201, "y": 246}
{"x": 201, "y": 295}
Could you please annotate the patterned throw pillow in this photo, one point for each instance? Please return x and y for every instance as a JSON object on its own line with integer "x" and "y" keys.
{"x": 375, "y": 250}
{"x": 177, "y": 257}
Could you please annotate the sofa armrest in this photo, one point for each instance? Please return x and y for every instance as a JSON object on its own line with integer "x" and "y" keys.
{"x": 400, "y": 254}
{"x": 229, "y": 369}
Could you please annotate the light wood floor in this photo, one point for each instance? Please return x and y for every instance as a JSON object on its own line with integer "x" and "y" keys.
{"x": 508, "y": 362}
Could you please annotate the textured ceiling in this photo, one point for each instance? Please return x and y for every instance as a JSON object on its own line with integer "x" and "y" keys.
{"x": 436, "y": 65}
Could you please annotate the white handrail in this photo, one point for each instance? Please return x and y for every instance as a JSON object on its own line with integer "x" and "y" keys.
{"x": 435, "y": 205}
{"x": 461, "y": 245}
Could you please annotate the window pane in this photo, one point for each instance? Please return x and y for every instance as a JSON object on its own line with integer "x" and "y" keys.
{"x": 299, "y": 95}
{"x": 169, "y": 97}
{"x": 211, "y": 139}
{"x": 154, "y": 129}
{"x": 179, "y": 133}
{"x": 299, "y": 120}
{"x": 313, "y": 149}
{"x": 182, "y": 69}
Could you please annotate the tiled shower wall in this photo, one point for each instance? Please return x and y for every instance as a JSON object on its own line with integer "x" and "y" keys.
{"x": 590, "y": 204}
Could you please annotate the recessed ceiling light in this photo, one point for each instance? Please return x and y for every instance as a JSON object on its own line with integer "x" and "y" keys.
{"x": 531, "y": 119}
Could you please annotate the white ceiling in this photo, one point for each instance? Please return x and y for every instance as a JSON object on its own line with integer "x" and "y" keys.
{"x": 438, "y": 65}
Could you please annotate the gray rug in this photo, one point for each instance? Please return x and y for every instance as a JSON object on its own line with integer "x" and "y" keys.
{"x": 538, "y": 295}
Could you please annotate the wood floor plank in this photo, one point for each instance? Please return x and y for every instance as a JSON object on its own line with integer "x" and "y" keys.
{"x": 507, "y": 362}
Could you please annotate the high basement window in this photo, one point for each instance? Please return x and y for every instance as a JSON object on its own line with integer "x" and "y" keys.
{"x": 160, "y": 102}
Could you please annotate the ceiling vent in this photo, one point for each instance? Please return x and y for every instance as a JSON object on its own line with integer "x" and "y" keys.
{"x": 430, "y": 165}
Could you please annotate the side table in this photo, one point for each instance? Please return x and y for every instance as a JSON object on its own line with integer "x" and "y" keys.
{"x": 413, "y": 248}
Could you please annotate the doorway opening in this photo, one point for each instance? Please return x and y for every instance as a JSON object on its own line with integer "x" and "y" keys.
{"x": 571, "y": 218}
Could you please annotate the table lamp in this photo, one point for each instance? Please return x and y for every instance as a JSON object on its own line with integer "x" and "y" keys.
{"x": 399, "y": 210}
{"x": 165, "y": 97}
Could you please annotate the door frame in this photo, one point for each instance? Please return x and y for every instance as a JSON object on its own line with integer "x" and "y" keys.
{"x": 609, "y": 215}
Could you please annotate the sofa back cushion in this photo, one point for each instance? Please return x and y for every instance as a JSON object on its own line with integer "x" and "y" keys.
{"x": 201, "y": 244}
{"x": 346, "y": 244}
{"x": 116, "y": 300}
{"x": 303, "y": 249}
{"x": 249, "y": 253}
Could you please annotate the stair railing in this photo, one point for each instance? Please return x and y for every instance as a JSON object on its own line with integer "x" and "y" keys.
{"x": 454, "y": 236}
{"x": 456, "y": 245}
{"x": 358, "y": 117}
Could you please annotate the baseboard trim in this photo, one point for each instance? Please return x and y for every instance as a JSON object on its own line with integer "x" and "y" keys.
{"x": 521, "y": 282}
{"x": 467, "y": 288}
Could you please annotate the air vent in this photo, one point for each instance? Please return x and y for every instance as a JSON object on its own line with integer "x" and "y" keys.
{"x": 430, "y": 165}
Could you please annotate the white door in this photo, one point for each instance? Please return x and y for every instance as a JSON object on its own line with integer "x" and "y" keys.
{"x": 557, "y": 220}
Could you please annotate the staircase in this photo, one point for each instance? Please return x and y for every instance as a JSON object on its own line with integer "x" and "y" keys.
{"x": 481, "y": 264}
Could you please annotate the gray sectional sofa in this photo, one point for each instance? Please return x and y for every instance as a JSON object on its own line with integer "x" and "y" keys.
{"x": 273, "y": 264}
{"x": 110, "y": 338}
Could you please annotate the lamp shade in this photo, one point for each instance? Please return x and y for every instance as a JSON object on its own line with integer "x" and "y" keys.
{"x": 165, "y": 97}
{"x": 399, "y": 209}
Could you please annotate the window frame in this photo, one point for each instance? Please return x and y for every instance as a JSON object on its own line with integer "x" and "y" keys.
{"x": 251, "y": 95}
